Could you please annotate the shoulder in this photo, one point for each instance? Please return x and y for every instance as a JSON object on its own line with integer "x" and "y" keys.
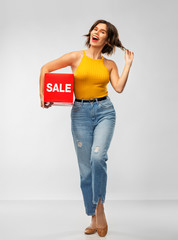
{"x": 109, "y": 61}
{"x": 110, "y": 64}
{"x": 75, "y": 57}
{"x": 75, "y": 54}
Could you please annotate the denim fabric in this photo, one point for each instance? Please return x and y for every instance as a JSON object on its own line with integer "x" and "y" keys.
{"x": 92, "y": 125}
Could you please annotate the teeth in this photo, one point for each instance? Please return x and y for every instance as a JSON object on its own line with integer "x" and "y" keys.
{"x": 95, "y": 38}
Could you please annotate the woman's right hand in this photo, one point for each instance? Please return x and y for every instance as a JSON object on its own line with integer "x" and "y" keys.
{"x": 45, "y": 104}
{"x": 67, "y": 59}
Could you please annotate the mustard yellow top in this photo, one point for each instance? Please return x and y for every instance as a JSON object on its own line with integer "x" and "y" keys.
{"x": 91, "y": 78}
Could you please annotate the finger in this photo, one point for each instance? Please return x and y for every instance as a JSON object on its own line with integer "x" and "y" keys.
{"x": 49, "y": 104}
{"x": 45, "y": 104}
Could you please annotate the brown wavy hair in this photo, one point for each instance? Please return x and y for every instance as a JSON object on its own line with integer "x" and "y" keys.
{"x": 113, "y": 38}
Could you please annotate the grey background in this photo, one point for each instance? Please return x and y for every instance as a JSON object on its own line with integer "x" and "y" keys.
{"x": 37, "y": 157}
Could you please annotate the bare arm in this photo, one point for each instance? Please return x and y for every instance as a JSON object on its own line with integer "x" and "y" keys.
{"x": 61, "y": 62}
{"x": 117, "y": 82}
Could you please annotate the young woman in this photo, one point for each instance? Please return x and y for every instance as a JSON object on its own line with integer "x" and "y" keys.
{"x": 93, "y": 114}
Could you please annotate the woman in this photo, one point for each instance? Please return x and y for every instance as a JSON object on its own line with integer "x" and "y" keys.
{"x": 93, "y": 114}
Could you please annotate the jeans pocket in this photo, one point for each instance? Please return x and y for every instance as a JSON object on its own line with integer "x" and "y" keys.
{"x": 106, "y": 104}
{"x": 76, "y": 106}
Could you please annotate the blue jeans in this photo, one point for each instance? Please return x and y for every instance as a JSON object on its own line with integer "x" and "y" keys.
{"x": 92, "y": 125}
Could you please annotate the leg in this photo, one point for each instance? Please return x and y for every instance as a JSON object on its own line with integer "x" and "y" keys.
{"x": 102, "y": 137}
{"x": 82, "y": 131}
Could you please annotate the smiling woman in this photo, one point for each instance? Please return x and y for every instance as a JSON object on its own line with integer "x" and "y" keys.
{"x": 108, "y": 30}
{"x": 93, "y": 115}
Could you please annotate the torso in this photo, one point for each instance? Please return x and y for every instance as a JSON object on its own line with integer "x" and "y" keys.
{"x": 79, "y": 55}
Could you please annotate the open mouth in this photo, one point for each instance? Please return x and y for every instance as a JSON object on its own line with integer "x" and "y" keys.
{"x": 95, "y": 38}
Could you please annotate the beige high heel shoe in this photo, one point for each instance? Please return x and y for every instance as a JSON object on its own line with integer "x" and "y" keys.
{"x": 90, "y": 230}
{"x": 102, "y": 231}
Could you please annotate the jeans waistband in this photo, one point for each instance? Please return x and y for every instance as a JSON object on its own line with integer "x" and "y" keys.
{"x": 91, "y": 100}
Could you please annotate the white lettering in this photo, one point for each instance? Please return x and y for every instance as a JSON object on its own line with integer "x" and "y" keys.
{"x": 61, "y": 88}
{"x": 55, "y": 87}
{"x": 49, "y": 87}
{"x": 68, "y": 87}
{"x": 58, "y": 87}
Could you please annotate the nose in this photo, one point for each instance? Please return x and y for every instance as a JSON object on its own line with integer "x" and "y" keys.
{"x": 96, "y": 33}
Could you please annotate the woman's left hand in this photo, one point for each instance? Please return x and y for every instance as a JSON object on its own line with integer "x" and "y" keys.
{"x": 129, "y": 56}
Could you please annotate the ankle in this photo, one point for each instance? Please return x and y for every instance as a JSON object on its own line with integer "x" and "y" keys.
{"x": 100, "y": 210}
{"x": 100, "y": 206}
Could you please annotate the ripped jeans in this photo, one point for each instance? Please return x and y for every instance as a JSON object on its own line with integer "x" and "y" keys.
{"x": 92, "y": 125}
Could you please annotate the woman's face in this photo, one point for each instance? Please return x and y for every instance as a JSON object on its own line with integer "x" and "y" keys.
{"x": 99, "y": 32}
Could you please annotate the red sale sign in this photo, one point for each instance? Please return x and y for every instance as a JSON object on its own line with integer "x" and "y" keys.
{"x": 58, "y": 88}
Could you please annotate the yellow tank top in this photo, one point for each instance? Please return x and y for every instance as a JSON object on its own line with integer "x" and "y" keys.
{"x": 91, "y": 78}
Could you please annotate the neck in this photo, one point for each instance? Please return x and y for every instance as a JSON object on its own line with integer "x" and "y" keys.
{"x": 94, "y": 52}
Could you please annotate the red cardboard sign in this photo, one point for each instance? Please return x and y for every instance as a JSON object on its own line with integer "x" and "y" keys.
{"x": 58, "y": 88}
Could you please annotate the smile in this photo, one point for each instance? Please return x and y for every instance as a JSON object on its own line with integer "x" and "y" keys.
{"x": 95, "y": 38}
